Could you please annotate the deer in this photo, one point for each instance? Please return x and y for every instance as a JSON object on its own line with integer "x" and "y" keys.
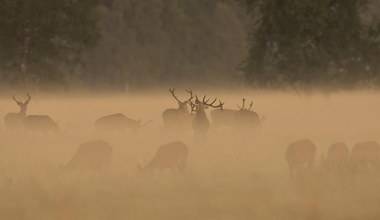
{"x": 223, "y": 118}
{"x": 118, "y": 122}
{"x": 365, "y": 157}
{"x": 178, "y": 118}
{"x": 246, "y": 118}
{"x": 90, "y": 156}
{"x": 337, "y": 158}
{"x": 13, "y": 120}
{"x": 41, "y": 123}
{"x": 243, "y": 118}
{"x": 168, "y": 156}
{"x": 300, "y": 156}
{"x": 200, "y": 122}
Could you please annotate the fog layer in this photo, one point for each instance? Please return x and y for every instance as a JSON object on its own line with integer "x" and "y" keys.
{"x": 228, "y": 175}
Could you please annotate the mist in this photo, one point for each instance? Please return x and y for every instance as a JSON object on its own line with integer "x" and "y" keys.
{"x": 178, "y": 109}
{"x": 228, "y": 174}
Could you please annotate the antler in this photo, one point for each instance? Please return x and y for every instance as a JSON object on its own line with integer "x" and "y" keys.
{"x": 18, "y": 102}
{"x": 193, "y": 106}
{"x": 189, "y": 91}
{"x": 250, "y": 106}
{"x": 243, "y": 107}
{"x": 172, "y": 92}
{"x": 205, "y": 102}
{"x": 191, "y": 95}
{"x": 29, "y": 97}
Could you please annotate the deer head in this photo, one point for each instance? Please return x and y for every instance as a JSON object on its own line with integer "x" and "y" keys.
{"x": 182, "y": 105}
{"x": 23, "y": 105}
{"x": 199, "y": 106}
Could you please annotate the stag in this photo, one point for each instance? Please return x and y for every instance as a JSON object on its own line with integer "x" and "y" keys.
{"x": 246, "y": 118}
{"x": 172, "y": 155}
{"x": 178, "y": 118}
{"x": 300, "y": 156}
{"x": 13, "y": 120}
{"x": 242, "y": 119}
{"x": 365, "y": 157}
{"x": 200, "y": 123}
{"x": 337, "y": 158}
{"x": 118, "y": 122}
{"x": 90, "y": 156}
{"x": 41, "y": 123}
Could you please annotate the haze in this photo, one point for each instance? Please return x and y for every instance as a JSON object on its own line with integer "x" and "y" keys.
{"x": 228, "y": 175}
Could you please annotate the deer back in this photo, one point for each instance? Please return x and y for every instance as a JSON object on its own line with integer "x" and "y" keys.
{"x": 41, "y": 123}
{"x": 170, "y": 155}
{"x": 300, "y": 152}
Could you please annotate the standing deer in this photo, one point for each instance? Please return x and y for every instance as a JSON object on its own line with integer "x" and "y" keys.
{"x": 246, "y": 118}
{"x": 90, "y": 156}
{"x": 200, "y": 123}
{"x": 337, "y": 158}
{"x": 41, "y": 123}
{"x": 365, "y": 157}
{"x": 178, "y": 118}
{"x": 118, "y": 122}
{"x": 172, "y": 155}
{"x": 241, "y": 119}
{"x": 13, "y": 120}
{"x": 300, "y": 156}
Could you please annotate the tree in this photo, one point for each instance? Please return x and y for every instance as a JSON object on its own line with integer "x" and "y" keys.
{"x": 40, "y": 38}
{"x": 309, "y": 42}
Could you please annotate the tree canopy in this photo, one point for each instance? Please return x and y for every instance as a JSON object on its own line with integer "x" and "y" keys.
{"x": 305, "y": 42}
{"x": 41, "y": 36}
{"x": 129, "y": 44}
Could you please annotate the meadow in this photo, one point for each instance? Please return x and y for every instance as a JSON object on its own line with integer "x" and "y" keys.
{"x": 228, "y": 175}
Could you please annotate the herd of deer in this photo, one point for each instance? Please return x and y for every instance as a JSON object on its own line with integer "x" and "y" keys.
{"x": 181, "y": 118}
{"x": 95, "y": 155}
{"x": 364, "y": 158}
{"x": 174, "y": 119}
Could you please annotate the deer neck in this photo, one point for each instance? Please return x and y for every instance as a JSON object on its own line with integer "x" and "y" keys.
{"x": 201, "y": 113}
{"x": 22, "y": 111}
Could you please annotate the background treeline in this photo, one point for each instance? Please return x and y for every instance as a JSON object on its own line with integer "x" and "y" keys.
{"x": 130, "y": 44}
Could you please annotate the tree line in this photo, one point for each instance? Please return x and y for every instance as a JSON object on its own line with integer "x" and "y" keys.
{"x": 130, "y": 44}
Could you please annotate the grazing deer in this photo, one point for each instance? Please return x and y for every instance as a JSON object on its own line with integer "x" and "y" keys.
{"x": 13, "y": 120}
{"x": 300, "y": 156}
{"x": 41, "y": 123}
{"x": 178, "y": 118}
{"x": 365, "y": 157}
{"x": 90, "y": 156}
{"x": 337, "y": 158}
{"x": 246, "y": 118}
{"x": 118, "y": 122}
{"x": 172, "y": 155}
{"x": 200, "y": 123}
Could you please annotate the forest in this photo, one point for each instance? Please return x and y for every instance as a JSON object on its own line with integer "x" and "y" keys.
{"x": 126, "y": 45}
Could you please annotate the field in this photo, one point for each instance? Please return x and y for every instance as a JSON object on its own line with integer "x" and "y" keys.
{"x": 228, "y": 175}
